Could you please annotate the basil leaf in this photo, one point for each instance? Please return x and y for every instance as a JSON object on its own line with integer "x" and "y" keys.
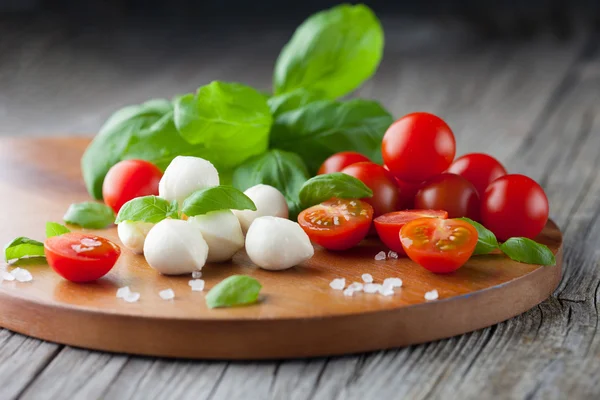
{"x": 216, "y": 198}
{"x": 292, "y": 100}
{"x": 333, "y": 51}
{"x": 233, "y": 291}
{"x": 528, "y": 251}
{"x": 90, "y": 215}
{"x": 323, "y": 187}
{"x": 23, "y": 247}
{"x": 173, "y": 210}
{"x": 232, "y": 120}
{"x": 146, "y": 209}
{"x": 283, "y": 170}
{"x": 55, "y": 229}
{"x": 320, "y": 129}
{"x": 486, "y": 240}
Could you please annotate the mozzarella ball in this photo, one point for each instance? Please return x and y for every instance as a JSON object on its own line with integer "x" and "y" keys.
{"x": 184, "y": 176}
{"x": 133, "y": 234}
{"x": 175, "y": 247}
{"x": 277, "y": 243}
{"x": 222, "y": 232}
{"x": 269, "y": 202}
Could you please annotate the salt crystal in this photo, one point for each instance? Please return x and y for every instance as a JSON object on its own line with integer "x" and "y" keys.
{"x": 122, "y": 292}
{"x": 338, "y": 284}
{"x": 196, "y": 274}
{"x": 393, "y": 282}
{"x": 21, "y": 275}
{"x": 348, "y": 292}
{"x": 372, "y": 287}
{"x": 380, "y": 256}
{"x": 197, "y": 285}
{"x": 393, "y": 254}
{"x": 367, "y": 278}
{"x": 356, "y": 286}
{"x": 387, "y": 291}
{"x": 336, "y": 220}
{"x": 131, "y": 297}
{"x": 90, "y": 242}
{"x": 167, "y": 294}
{"x": 80, "y": 249}
{"x": 7, "y": 276}
{"x": 433, "y": 295}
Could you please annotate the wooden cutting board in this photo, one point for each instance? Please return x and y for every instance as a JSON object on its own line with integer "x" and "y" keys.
{"x": 299, "y": 315}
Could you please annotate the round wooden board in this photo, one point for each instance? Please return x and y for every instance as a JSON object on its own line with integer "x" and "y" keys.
{"x": 299, "y": 315}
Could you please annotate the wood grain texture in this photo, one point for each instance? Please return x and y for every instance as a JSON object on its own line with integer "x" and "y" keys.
{"x": 534, "y": 104}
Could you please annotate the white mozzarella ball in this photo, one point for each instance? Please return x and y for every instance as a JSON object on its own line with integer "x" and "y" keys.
{"x": 277, "y": 243}
{"x": 184, "y": 176}
{"x": 175, "y": 247}
{"x": 222, "y": 232}
{"x": 133, "y": 234}
{"x": 269, "y": 202}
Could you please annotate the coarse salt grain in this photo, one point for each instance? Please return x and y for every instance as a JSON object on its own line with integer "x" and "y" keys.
{"x": 433, "y": 295}
{"x": 167, "y": 294}
{"x": 393, "y": 282}
{"x": 90, "y": 242}
{"x": 348, "y": 292}
{"x": 196, "y": 274}
{"x": 81, "y": 249}
{"x": 367, "y": 278}
{"x": 356, "y": 286}
{"x": 387, "y": 291}
{"x": 393, "y": 255}
{"x": 372, "y": 287}
{"x": 197, "y": 285}
{"x": 21, "y": 275}
{"x": 7, "y": 276}
{"x": 380, "y": 256}
{"x": 338, "y": 284}
{"x": 122, "y": 292}
{"x": 131, "y": 297}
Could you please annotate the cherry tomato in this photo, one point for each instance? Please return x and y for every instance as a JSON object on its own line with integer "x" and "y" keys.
{"x": 337, "y": 224}
{"x": 129, "y": 179}
{"x": 385, "y": 192}
{"x": 418, "y": 146}
{"x": 388, "y": 225}
{"x": 514, "y": 205}
{"x": 80, "y": 257}
{"x": 479, "y": 169}
{"x": 439, "y": 245}
{"x": 339, "y": 161}
{"x": 451, "y": 193}
{"x": 407, "y": 191}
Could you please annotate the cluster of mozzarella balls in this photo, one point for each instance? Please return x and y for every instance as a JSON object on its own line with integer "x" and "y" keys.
{"x": 175, "y": 247}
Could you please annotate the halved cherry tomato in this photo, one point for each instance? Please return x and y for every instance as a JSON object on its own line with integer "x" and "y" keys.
{"x": 439, "y": 245}
{"x": 80, "y": 257}
{"x": 388, "y": 225}
{"x": 385, "y": 192}
{"x": 129, "y": 179}
{"x": 339, "y": 161}
{"x": 479, "y": 169}
{"x": 337, "y": 224}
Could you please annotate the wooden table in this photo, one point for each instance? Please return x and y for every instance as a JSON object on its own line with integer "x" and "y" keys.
{"x": 535, "y": 104}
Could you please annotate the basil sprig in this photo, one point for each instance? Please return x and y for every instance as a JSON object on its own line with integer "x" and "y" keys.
{"x": 234, "y": 291}
{"x": 21, "y": 248}
{"x": 323, "y": 187}
{"x": 90, "y": 215}
{"x": 517, "y": 248}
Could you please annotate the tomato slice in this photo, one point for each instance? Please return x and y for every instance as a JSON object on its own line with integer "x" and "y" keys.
{"x": 439, "y": 245}
{"x": 80, "y": 257}
{"x": 337, "y": 224}
{"x": 388, "y": 225}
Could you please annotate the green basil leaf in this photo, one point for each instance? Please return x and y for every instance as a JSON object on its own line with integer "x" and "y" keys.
{"x": 236, "y": 290}
{"x": 281, "y": 169}
{"x": 528, "y": 251}
{"x": 333, "y": 51}
{"x": 323, "y": 187}
{"x": 320, "y": 129}
{"x": 232, "y": 120}
{"x": 216, "y": 198}
{"x": 146, "y": 209}
{"x": 292, "y": 100}
{"x": 90, "y": 215}
{"x": 55, "y": 229}
{"x": 486, "y": 241}
{"x": 23, "y": 247}
{"x": 173, "y": 210}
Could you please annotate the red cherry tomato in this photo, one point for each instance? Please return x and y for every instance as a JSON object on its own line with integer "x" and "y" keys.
{"x": 337, "y": 224}
{"x": 388, "y": 225}
{"x": 418, "y": 146}
{"x": 407, "y": 190}
{"x": 81, "y": 257}
{"x": 339, "y": 161}
{"x": 479, "y": 169}
{"x": 129, "y": 179}
{"x": 451, "y": 193}
{"x": 514, "y": 205}
{"x": 439, "y": 245}
{"x": 385, "y": 192}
